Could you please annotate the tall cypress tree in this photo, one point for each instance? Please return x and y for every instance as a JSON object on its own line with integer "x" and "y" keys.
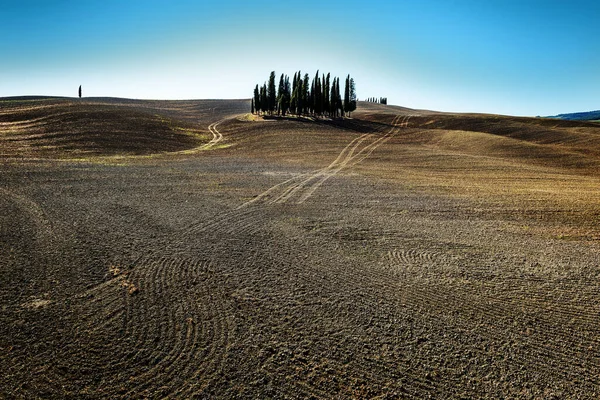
{"x": 332, "y": 100}
{"x": 299, "y": 94}
{"x": 339, "y": 103}
{"x": 264, "y": 99}
{"x": 287, "y": 95}
{"x": 347, "y": 94}
{"x": 280, "y": 94}
{"x": 323, "y": 94}
{"x": 294, "y": 94}
{"x": 257, "y": 99}
{"x": 316, "y": 97}
{"x": 351, "y": 95}
{"x": 305, "y": 94}
{"x": 271, "y": 93}
{"x": 298, "y": 109}
{"x": 283, "y": 95}
{"x": 326, "y": 94}
{"x": 313, "y": 93}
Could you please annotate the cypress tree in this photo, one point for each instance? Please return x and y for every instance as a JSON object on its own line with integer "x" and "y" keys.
{"x": 339, "y": 99}
{"x": 335, "y": 97}
{"x": 332, "y": 105}
{"x": 252, "y": 106}
{"x": 284, "y": 95}
{"x": 299, "y": 92}
{"x": 316, "y": 100}
{"x": 257, "y": 99}
{"x": 264, "y": 99}
{"x": 280, "y": 91}
{"x": 326, "y": 94}
{"x": 347, "y": 94}
{"x": 305, "y": 94}
{"x": 271, "y": 94}
{"x": 287, "y": 95}
{"x": 313, "y": 94}
{"x": 323, "y": 94}
{"x": 294, "y": 94}
{"x": 352, "y": 95}
{"x": 332, "y": 112}
{"x": 298, "y": 89}
{"x": 339, "y": 109}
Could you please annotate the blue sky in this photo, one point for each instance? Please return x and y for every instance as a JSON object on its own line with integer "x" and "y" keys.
{"x": 527, "y": 57}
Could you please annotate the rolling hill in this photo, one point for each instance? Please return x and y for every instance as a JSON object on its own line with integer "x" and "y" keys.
{"x": 580, "y": 116}
{"x": 399, "y": 253}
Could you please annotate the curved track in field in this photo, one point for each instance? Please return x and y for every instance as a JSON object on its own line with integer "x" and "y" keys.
{"x": 216, "y": 138}
{"x": 248, "y": 216}
{"x": 303, "y": 186}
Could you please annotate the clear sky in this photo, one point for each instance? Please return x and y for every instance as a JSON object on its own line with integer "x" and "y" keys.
{"x": 520, "y": 57}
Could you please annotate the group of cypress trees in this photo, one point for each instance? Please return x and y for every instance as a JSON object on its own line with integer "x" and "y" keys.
{"x": 381, "y": 100}
{"x": 318, "y": 98}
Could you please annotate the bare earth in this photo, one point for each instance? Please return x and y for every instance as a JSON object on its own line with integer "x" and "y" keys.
{"x": 164, "y": 249}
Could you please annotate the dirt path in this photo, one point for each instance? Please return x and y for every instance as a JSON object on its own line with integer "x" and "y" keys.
{"x": 217, "y": 137}
{"x": 247, "y": 216}
{"x": 304, "y": 185}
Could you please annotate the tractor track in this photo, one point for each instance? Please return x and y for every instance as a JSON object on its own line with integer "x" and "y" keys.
{"x": 303, "y": 186}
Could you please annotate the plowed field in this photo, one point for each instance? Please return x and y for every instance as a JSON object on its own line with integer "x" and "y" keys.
{"x": 181, "y": 249}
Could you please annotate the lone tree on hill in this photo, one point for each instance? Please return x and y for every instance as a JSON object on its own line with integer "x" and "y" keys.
{"x": 79, "y": 91}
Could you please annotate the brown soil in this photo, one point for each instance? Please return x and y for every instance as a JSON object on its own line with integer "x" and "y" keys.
{"x": 180, "y": 249}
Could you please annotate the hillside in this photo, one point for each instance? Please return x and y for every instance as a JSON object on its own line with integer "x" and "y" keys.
{"x": 396, "y": 254}
{"x": 581, "y": 116}
{"x": 38, "y": 126}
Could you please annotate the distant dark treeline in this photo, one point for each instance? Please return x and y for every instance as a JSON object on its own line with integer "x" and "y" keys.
{"x": 318, "y": 98}
{"x": 580, "y": 116}
{"x": 381, "y": 100}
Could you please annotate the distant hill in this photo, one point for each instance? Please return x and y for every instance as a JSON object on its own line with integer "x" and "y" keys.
{"x": 580, "y": 116}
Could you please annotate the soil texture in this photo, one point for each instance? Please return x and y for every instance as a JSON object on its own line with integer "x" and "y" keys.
{"x": 186, "y": 249}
